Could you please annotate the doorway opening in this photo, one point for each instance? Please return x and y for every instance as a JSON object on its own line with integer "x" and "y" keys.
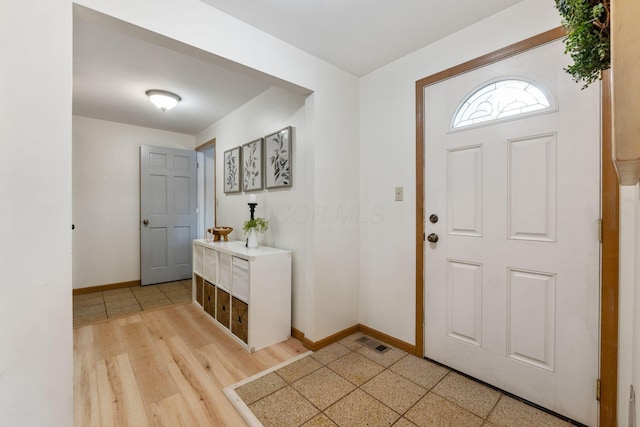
{"x": 207, "y": 200}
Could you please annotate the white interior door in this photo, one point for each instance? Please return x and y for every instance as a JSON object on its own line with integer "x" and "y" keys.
{"x": 168, "y": 213}
{"x": 512, "y": 284}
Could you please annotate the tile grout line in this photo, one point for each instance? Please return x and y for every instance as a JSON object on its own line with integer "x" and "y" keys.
{"x": 494, "y": 407}
{"x": 484, "y": 420}
{"x": 428, "y": 390}
{"x": 504, "y": 393}
{"x": 359, "y": 387}
{"x": 177, "y": 285}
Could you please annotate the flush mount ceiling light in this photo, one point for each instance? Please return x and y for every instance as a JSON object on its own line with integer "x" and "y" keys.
{"x": 162, "y": 99}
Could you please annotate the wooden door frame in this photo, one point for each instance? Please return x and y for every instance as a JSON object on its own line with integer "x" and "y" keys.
{"x": 211, "y": 145}
{"x": 610, "y": 220}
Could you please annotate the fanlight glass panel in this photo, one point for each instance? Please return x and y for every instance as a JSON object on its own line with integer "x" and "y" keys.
{"x": 502, "y": 99}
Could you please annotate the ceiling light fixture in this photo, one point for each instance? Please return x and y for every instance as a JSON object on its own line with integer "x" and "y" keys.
{"x": 162, "y": 99}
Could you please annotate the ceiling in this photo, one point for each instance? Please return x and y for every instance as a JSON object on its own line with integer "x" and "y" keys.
{"x": 360, "y": 36}
{"x": 114, "y": 63}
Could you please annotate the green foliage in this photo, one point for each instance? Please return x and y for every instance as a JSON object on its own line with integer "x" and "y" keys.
{"x": 587, "y": 22}
{"x": 280, "y": 160}
{"x": 259, "y": 224}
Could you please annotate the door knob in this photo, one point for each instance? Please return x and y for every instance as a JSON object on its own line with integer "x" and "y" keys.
{"x": 145, "y": 222}
{"x": 433, "y": 237}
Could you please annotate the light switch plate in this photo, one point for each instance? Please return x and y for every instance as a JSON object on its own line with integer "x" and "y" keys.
{"x": 399, "y": 194}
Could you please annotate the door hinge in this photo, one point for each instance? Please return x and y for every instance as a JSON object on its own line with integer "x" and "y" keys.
{"x": 598, "y": 389}
{"x": 600, "y": 230}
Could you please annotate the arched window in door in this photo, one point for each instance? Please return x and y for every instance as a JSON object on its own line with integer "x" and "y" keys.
{"x": 503, "y": 99}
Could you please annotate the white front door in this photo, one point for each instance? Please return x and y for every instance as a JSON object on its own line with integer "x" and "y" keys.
{"x": 167, "y": 213}
{"x": 512, "y": 283}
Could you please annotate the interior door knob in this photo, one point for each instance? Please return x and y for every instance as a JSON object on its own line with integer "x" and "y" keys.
{"x": 145, "y": 222}
{"x": 433, "y": 237}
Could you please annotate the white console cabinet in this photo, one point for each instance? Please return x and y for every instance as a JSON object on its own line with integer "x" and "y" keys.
{"x": 246, "y": 291}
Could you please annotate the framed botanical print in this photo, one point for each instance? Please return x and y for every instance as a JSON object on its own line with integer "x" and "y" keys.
{"x": 252, "y": 165}
{"x": 278, "y": 158}
{"x": 232, "y": 170}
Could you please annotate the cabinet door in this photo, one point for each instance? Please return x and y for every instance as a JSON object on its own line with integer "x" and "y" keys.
{"x": 223, "y": 307}
{"x": 198, "y": 259}
{"x": 240, "y": 319}
{"x": 224, "y": 273}
{"x": 198, "y": 283}
{"x": 240, "y": 286}
{"x": 210, "y": 298}
{"x": 210, "y": 264}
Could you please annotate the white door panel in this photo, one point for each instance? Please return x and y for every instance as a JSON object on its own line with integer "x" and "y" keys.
{"x": 512, "y": 284}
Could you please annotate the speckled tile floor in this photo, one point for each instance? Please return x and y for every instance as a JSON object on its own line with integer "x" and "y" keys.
{"x": 95, "y": 306}
{"x": 348, "y": 385}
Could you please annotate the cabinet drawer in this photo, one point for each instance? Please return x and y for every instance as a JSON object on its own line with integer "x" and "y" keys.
{"x": 199, "y": 282}
{"x": 198, "y": 259}
{"x": 210, "y": 299}
{"x": 224, "y": 270}
{"x": 210, "y": 265}
{"x": 240, "y": 319}
{"x": 223, "y": 300}
{"x": 240, "y": 286}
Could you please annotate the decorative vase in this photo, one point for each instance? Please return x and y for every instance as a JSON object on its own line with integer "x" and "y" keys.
{"x": 252, "y": 240}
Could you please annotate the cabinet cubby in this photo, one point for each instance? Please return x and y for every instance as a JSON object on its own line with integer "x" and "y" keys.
{"x": 246, "y": 292}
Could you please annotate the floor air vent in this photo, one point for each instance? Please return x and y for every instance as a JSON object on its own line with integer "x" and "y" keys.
{"x": 373, "y": 344}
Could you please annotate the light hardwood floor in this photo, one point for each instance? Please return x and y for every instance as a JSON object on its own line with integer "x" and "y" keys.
{"x": 165, "y": 367}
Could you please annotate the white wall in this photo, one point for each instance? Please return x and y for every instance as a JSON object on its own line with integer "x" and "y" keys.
{"x": 36, "y": 360}
{"x": 629, "y": 301}
{"x": 106, "y": 198}
{"x": 331, "y": 157}
{"x": 284, "y": 208}
{"x": 35, "y": 189}
{"x": 387, "y": 160}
